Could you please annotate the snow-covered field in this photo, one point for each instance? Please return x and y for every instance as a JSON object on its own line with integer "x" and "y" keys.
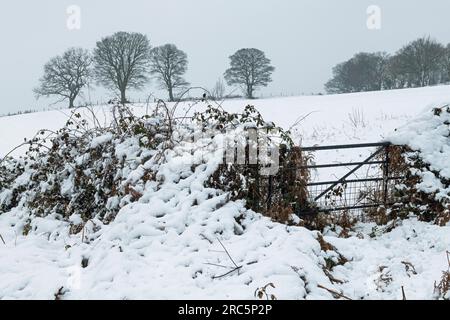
{"x": 327, "y": 117}
{"x": 165, "y": 247}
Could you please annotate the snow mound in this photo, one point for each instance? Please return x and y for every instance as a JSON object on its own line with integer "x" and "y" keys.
{"x": 428, "y": 137}
{"x": 178, "y": 239}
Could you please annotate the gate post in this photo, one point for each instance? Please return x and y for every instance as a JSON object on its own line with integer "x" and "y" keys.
{"x": 386, "y": 174}
{"x": 269, "y": 193}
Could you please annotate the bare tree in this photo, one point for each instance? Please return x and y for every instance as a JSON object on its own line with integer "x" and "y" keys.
{"x": 419, "y": 63}
{"x": 250, "y": 69}
{"x": 363, "y": 72}
{"x": 122, "y": 61}
{"x": 65, "y": 76}
{"x": 169, "y": 64}
{"x": 218, "y": 92}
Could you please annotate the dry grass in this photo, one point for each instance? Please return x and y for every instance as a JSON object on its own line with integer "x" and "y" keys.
{"x": 280, "y": 213}
{"x": 326, "y": 246}
{"x": 262, "y": 293}
{"x": 442, "y": 289}
{"x": 443, "y": 217}
{"x": 357, "y": 118}
{"x": 378, "y": 215}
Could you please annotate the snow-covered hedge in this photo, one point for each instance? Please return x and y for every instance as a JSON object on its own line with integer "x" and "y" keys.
{"x": 276, "y": 195}
{"x": 426, "y": 190}
{"x": 91, "y": 172}
{"x": 81, "y": 169}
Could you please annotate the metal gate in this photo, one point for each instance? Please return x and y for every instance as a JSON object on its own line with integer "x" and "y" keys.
{"x": 351, "y": 192}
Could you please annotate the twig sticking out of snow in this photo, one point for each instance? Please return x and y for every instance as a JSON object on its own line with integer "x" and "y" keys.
{"x": 3, "y": 240}
{"x": 206, "y": 238}
{"x": 226, "y": 251}
{"x": 300, "y": 119}
{"x": 229, "y": 272}
{"x": 236, "y": 267}
{"x": 334, "y": 293}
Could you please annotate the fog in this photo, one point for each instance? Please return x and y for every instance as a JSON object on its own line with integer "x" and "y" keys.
{"x": 304, "y": 39}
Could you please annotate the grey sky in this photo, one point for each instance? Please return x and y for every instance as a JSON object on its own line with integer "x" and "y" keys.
{"x": 303, "y": 38}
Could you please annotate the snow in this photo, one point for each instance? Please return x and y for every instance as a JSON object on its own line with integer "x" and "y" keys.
{"x": 98, "y": 141}
{"x": 428, "y": 135}
{"x": 419, "y": 244}
{"x": 170, "y": 243}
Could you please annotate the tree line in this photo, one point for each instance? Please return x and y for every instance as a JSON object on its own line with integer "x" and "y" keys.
{"x": 422, "y": 62}
{"x": 126, "y": 61}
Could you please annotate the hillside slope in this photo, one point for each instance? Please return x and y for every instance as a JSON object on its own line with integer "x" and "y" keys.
{"x": 327, "y": 117}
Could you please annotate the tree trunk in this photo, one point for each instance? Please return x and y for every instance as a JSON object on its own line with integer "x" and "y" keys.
{"x": 249, "y": 92}
{"x": 171, "y": 99}
{"x": 71, "y": 103}
{"x": 123, "y": 98}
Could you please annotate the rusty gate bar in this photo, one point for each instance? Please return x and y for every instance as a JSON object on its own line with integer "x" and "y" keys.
{"x": 347, "y": 146}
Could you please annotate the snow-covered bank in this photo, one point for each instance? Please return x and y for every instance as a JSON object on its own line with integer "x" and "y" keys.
{"x": 178, "y": 239}
{"x": 134, "y": 259}
{"x": 412, "y": 256}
